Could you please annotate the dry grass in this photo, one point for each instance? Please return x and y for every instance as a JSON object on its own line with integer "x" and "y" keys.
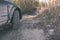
{"x": 28, "y": 5}
{"x": 50, "y": 18}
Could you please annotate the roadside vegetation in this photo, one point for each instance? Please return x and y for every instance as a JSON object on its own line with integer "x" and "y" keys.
{"x": 26, "y": 5}
{"x": 50, "y": 18}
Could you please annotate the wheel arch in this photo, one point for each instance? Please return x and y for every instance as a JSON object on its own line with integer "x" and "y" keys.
{"x": 20, "y": 14}
{"x": 12, "y": 12}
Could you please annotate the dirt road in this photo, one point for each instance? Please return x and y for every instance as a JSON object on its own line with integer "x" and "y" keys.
{"x": 27, "y": 31}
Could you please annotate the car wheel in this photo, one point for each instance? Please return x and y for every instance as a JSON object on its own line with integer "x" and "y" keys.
{"x": 15, "y": 19}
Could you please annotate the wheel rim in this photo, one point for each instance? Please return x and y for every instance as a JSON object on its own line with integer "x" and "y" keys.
{"x": 16, "y": 19}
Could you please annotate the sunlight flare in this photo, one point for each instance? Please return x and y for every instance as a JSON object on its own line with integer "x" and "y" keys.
{"x": 43, "y": 1}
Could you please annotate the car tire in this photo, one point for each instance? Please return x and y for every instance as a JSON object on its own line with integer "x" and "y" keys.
{"x": 15, "y": 19}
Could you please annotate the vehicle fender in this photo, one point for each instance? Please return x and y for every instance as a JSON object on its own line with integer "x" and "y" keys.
{"x": 13, "y": 9}
{"x": 11, "y": 12}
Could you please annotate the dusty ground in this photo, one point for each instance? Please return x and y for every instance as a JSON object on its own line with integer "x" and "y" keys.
{"x": 27, "y": 31}
{"x": 42, "y": 27}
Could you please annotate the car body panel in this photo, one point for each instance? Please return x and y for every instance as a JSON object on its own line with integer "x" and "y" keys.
{"x": 12, "y": 7}
{"x": 3, "y": 13}
{"x": 6, "y": 11}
